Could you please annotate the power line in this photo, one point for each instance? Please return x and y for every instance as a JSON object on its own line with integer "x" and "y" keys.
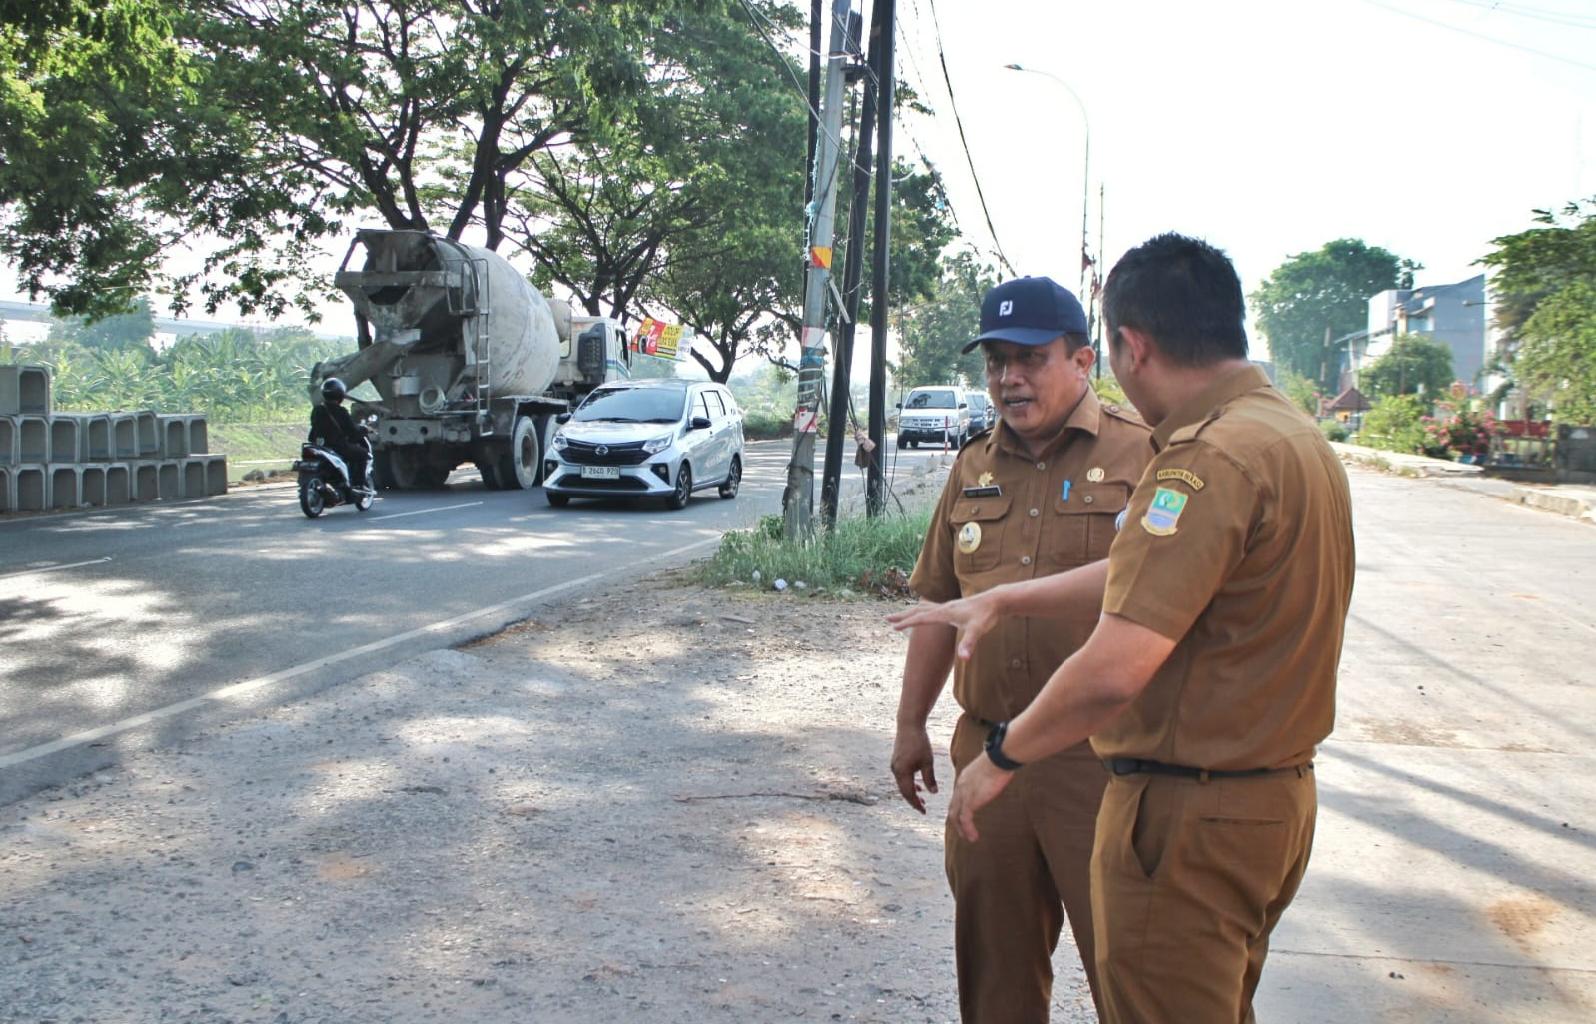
{"x": 963, "y": 141}
{"x": 1535, "y": 13}
{"x": 1481, "y": 36}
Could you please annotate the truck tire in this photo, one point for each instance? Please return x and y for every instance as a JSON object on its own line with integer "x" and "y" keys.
{"x": 405, "y": 469}
{"x": 521, "y": 462}
{"x": 382, "y": 471}
{"x": 489, "y": 469}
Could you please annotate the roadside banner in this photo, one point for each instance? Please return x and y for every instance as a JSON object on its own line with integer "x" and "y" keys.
{"x": 658, "y": 338}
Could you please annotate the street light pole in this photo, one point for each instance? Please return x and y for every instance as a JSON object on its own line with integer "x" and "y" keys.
{"x": 1086, "y": 164}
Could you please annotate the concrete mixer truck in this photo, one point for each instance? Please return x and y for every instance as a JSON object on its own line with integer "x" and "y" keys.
{"x": 471, "y": 361}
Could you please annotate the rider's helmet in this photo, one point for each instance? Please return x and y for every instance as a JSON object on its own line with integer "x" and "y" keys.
{"x": 333, "y": 390}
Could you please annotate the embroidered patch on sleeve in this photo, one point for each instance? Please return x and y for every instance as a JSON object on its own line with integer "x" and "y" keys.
{"x": 1164, "y": 513}
{"x": 1185, "y": 476}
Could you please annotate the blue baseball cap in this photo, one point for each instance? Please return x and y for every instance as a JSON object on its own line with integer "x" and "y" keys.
{"x": 1029, "y": 311}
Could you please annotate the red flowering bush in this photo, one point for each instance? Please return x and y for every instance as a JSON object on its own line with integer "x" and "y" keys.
{"x": 1457, "y": 431}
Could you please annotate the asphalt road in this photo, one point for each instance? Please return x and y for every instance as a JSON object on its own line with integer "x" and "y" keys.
{"x": 108, "y": 616}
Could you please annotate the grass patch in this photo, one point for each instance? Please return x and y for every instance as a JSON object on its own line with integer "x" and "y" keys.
{"x": 249, "y": 441}
{"x": 861, "y": 555}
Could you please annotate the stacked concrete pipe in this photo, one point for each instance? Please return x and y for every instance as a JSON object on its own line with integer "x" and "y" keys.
{"x": 65, "y": 460}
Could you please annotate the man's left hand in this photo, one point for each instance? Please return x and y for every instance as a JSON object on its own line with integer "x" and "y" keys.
{"x": 978, "y": 785}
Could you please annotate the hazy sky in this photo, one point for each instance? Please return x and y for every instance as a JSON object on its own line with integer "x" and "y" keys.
{"x": 1267, "y": 127}
{"x": 1424, "y": 126}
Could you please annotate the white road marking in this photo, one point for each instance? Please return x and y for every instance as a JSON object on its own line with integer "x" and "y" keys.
{"x": 422, "y": 511}
{"x": 250, "y": 685}
{"x": 53, "y": 568}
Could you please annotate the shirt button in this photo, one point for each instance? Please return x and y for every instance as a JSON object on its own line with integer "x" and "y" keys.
{"x": 1015, "y": 663}
{"x": 1035, "y": 513}
{"x": 1041, "y": 465}
{"x": 1026, "y": 560}
{"x": 1087, "y": 499}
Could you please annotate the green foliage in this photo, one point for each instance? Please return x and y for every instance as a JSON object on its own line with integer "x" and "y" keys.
{"x": 1413, "y": 365}
{"x": 1333, "y": 431}
{"x": 1109, "y": 391}
{"x": 1557, "y": 360}
{"x": 122, "y": 330}
{"x": 932, "y": 333}
{"x": 235, "y": 376}
{"x": 1329, "y": 288}
{"x": 1302, "y": 391}
{"x": 855, "y": 554}
{"x": 1396, "y": 423}
{"x": 1546, "y": 305}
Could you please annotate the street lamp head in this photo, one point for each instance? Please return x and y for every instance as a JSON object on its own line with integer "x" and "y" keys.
{"x": 1015, "y": 67}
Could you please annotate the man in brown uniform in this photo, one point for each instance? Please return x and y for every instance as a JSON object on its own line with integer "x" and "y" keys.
{"x": 1210, "y": 679}
{"x": 1039, "y": 494}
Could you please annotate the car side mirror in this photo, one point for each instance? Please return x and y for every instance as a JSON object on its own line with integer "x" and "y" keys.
{"x": 900, "y": 405}
{"x": 964, "y": 405}
{"x": 699, "y": 423}
{"x": 563, "y": 417}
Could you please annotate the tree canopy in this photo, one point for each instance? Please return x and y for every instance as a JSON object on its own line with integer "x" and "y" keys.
{"x": 1413, "y": 365}
{"x": 1326, "y": 289}
{"x": 932, "y": 333}
{"x": 1545, "y": 304}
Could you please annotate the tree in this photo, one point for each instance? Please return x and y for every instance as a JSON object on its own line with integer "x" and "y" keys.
{"x": 1545, "y": 306}
{"x": 932, "y": 334}
{"x": 1557, "y": 357}
{"x": 1301, "y": 391}
{"x": 132, "y": 330}
{"x": 1413, "y": 365}
{"x": 1326, "y": 289}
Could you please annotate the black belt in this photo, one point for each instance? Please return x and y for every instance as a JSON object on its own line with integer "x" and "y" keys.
{"x": 1137, "y": 766}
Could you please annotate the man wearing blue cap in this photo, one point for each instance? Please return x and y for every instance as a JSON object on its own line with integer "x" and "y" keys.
{"x": 1041, "y": 493}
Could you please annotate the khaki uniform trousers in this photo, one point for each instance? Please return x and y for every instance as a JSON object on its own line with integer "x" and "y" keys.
{"x": 1188, "y": 880}
{"x": 1013, "y": 888}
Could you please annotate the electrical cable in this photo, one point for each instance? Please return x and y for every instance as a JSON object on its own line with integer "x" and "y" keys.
{"x": 1481, "y": 36}
{"x": 1535, "y": 13}
{"x": 963, "y": 141}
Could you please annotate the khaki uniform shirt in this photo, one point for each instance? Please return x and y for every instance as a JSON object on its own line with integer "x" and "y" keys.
{"x": 1238, "y": 545}
{"x": 1033, "y": 527}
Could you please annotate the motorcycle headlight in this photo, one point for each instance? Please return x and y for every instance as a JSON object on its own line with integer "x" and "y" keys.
{"x": 559, "y": 442}
{"x": 659, "y": 444}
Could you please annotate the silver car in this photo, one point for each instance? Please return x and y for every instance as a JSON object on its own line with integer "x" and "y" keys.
{"x": 647, "y": 439}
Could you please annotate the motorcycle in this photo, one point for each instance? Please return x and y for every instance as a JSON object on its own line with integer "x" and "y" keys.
{"x": 324, "y": 480}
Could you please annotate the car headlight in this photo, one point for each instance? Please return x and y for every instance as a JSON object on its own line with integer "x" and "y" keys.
{"x": 559, "y": 442}
{"x": 659, "y": 444}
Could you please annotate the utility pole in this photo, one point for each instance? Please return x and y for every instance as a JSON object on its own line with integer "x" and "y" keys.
{"x": 816, "y": 12}
{"x": 853, "y": 268}
{"x": 798, "y": 499}
{"x": 880, "y": 271}
{"x": 1097, "y": 280}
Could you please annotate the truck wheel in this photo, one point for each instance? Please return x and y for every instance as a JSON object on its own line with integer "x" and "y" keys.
{"x": 382, "y": 471}
{"x": 405, "y": 468}
{"x": 435, "y": 477}
{"x": 520, "y": 463}
{"x": 490, "y": 474}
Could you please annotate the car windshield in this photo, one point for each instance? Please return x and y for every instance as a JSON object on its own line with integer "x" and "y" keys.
{"x": 632, "y": 405}
{"x": 978, "y": 401}
{"x": 931, "y": 400}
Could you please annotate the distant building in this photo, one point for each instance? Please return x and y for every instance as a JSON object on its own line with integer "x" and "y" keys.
{"x": 1452, "y": 314}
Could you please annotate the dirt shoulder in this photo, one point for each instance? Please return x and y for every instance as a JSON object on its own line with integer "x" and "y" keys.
{"x": 659, "y": 803}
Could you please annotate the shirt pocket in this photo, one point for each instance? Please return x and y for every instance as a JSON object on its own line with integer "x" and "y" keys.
{"x": 978, "y": 528}
{"x": 1083, "y": 527}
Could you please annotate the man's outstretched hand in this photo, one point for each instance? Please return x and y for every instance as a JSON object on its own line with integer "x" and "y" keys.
{"x": 973, "y": 617}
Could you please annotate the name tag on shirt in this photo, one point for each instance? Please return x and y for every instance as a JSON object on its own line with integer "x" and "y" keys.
{"x": 994, "y": 491}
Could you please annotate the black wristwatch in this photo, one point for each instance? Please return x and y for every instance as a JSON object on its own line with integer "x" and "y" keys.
{"x": 994, "y": 748}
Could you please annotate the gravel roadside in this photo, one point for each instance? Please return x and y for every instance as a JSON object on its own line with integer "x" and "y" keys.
{"x": 659, "y": 803}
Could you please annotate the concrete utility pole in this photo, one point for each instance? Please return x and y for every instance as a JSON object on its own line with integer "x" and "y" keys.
{"x": 798, "y": 499}
{"x": 853, "y": 268}
{"x": 881, "y": 269}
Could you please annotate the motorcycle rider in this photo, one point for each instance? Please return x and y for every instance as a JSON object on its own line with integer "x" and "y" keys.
{"x": 332, "y": 427}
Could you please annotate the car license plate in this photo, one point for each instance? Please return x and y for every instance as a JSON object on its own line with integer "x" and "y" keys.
{"x": 601, "y": 473}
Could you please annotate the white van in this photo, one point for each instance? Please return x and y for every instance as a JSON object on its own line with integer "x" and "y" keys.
{"x": 937, "y": 415}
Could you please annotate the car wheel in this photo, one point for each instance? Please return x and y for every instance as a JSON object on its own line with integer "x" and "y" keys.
{"x": 900, "y": 442}
{"x": 556, "y": 500}
{"x": 311, "y": 500}
{"x": 914, "y": 444}
{"x": 734, "y": 478}
{"x": 684, "y": 487}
